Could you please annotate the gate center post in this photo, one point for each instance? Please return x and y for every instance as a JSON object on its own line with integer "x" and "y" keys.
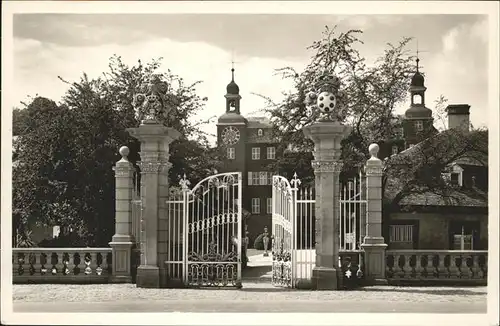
{"x": 327, "y": 135}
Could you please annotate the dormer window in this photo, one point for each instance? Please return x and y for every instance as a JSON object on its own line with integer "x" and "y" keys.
{"x": 419, "y": 125}
{"x": 394, "y": 150}
{"x": 399, "y": 133}
{"x": 454, "y": 175}
{"x": 260, "y": 132}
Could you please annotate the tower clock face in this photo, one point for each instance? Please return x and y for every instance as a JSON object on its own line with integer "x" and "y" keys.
{"x": 230, "y": 135}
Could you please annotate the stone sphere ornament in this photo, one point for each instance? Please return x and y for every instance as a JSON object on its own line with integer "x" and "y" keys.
{"x": 124, "y": 151}
{"x": 326, "y": 102}
{"x": 373, "y": 150}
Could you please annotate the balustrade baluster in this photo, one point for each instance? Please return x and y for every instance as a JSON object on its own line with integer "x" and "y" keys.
{"x": 430, "y": 269}
{"x": 483, "y": 263}
{"x": 407, "y": 267}
{"x": 475, "y": 267}
{"x": 20, "y": 263}
{"x": 399, "y": 265}
{"x": 419, "y": 269}
{"x": 35, "y": 263}
{"x": 32, "y": 263}
{"x": 44, "y": 263}
{"x": 388, "y": 268}
{"x": 93, "y": 262}
{"x": 100, "y": 262}
{"x": 442, "y": 270}
{"x": 87, "y": 261}
{"x": 454, "y": 271}
{"x": 465, "y": 266}
{"x": 71, "y": 263}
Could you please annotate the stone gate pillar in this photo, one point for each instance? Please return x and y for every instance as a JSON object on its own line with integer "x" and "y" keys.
{"x": 327, "y": 135}
{"x": 373, "y": 243}
{"x": 123, "y": 240}
{"x": 155, "y": 140}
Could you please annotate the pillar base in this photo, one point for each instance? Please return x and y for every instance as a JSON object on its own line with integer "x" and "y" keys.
{"x": 325, "y": 278}
{"x": 121, "y": 260}
{"x": 121, "y": 279}
{"x": 375, "y": 263}
{"x": 148, "y": 277}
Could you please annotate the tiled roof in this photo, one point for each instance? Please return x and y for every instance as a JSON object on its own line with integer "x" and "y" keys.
{"x": 461, "y": 198}
{"x": 259, "y": 122}
{"x": 457, "y": 198}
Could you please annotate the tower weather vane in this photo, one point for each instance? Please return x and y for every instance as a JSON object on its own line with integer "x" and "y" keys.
{"x": 418, "y": 55}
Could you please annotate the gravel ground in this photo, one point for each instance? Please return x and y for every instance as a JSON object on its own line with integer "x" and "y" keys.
{"x": 250, "y": 292}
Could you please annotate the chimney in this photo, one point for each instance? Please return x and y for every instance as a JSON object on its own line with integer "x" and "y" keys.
{"x": 458, "y": 116}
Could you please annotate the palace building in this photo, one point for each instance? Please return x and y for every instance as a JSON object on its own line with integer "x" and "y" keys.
{"x": 249, "y": 148}
{"x": 427, "y": 220}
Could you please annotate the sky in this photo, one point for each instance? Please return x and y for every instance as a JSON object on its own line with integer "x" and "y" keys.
{"x": 454, "y": 51}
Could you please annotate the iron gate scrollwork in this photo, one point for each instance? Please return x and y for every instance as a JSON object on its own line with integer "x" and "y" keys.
{"x": 283, "y": 239}
{"x": 213, "y": 223}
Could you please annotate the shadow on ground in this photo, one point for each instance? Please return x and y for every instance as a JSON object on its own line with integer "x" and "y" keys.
{"x": 443, "y": 291}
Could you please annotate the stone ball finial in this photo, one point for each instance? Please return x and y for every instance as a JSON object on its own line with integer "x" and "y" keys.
{"x": 124, "y": 151}
{"x": 373, "y": 150}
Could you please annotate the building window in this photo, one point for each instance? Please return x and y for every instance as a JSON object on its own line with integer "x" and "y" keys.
{"x": 271, "y": 153}
{"x": 259, "y": 132}
{"x": 269, "y": 178}
{"x": 419, "y": 125}
{"x": 231, "y": 153}
{"x": 255, "y": 205}
{"x": 255, "y": 178}
{"x": 250, "y": 180}
{"x": 263, "y": 178}
{"x": 401, "y": 233}
{"x": 394, "y": 150}
{"x": 463, "y": 242}
{"x": 269, "y": 206}
{"x": 255, "y": 153}
{"x": 399, "y": 133}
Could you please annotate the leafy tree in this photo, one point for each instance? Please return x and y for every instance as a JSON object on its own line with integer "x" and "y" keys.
{"x": 369, "y": 93}
{"x": 65, "y": 153}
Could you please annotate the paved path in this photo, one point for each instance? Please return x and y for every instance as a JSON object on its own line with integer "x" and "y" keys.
{"x": 340, "y": 306}
{"x": 254, "y": 297}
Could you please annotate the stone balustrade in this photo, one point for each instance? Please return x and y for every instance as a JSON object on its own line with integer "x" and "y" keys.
{"x": 61, "y": 265}
{"x": 437, "y": 266}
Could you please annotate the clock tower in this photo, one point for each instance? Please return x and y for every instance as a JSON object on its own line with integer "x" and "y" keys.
{"x": 231, "y": 131}
{"x": 418, "y": 120}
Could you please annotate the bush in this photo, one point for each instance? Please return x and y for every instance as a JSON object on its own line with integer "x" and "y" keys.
{"x": 259, "y": 242}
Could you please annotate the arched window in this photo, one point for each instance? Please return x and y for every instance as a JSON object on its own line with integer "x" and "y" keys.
{"x": 417, "y": 99}
{"x": 259, "y": 132}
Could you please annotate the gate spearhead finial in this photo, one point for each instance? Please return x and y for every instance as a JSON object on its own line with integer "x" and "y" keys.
{"x": 184, "y": 183}
{"x": 295, "y": 182}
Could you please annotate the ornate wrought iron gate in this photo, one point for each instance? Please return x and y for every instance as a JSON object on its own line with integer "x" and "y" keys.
{"x": 212, "y": 240}
{"x": 283, "y": 231}
{"x": 352, "y": 213}
{"x": 293, "y": 229}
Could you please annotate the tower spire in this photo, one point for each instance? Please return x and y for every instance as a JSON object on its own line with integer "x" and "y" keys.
{"x": 418, "y": 59}
{"x": 232, "y": 71}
